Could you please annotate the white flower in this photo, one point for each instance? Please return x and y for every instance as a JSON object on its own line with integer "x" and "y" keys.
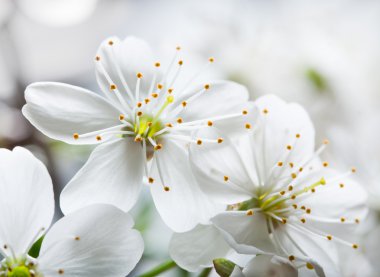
{"x": 94, "y": 241}
{"x": 282, "y": 198}
{"x": 143, "y": 114}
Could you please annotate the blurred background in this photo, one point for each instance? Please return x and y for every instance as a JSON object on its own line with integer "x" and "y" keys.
{"x": 323, "y": 54}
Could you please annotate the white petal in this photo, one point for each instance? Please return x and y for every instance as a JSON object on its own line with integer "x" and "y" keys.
{"x": 184, "y": 205}
{"x": 197, "y": 248}
{"x": 60, "y": 110}
{"x": 121, "y": 61}
{"x": 26, "y": 199}
{"x": 94, "y": 241}
{"x": 112, "y": 175}
{"x": 213, "y": 163}
{"x": 222, "y": 98}
{"x": 241, "y": 230}
{"x": 264, "y": 266}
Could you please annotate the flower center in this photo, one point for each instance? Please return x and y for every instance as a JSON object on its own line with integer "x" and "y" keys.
{"x": 22, "y": 267}
{"x": 147, "y": 126}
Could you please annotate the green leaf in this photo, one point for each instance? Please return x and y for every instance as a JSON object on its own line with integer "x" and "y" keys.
{"x": 35, "y": 249}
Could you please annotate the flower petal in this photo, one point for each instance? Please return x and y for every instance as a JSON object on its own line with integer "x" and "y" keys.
{"x": 242, "y": 230}
{"x": 121, "y": 61}
{"x": 94, "y": 241}
{"x": 112, "y": 175}
{"x": 26, "y": 199}
{"x": 197, "y": 248}
{"x": 220, "y": 170}
{"x": 264, "y": 266}
{"x": 184, "y": 205}
{"x": 60, "y": 110}
{"x": 212, "y": 103}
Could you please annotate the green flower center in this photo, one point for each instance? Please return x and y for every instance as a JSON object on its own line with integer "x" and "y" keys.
{"x": 19, "y": 271}
{"x": 147, "y": 126}
{"x": 21, "y": 267}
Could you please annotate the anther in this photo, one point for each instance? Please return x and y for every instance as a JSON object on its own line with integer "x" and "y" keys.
{"x": 282, "y": 192}
{"x": 249, "y": 212}
{"x": 170, "y": 90}
{"x": 294, "y": 175}
{"x": 355, "y": 246}
{"x": 226, "y": 178}
{"x": 300, "y": 169}
{"x": 61, "y": 271}
{"x": 139, "y": 75}
{"x": 342, "y": 219}
{"x": 154, "y": 95}
{"x": 112, "y": 87}
{"x": 289, "y": 147}
{"x": 325, "y": 164}
{"x": 98, "y": 138}
{"x": 303, "y": 220}
{"x": 77, "y": 238}
{"x": 199, "y": 142}
{"x": 138, "y": 139}
{"x": 110, "y": 42}
{"x": 265, "y": 111}
{"x": 245, "y": 112}
{"x": 357, "y": 221}
{"x": 326, "y": 141}
{"x": 180, "y": 62}
{"x": 329, "y": 237}
{"x": 341, "y": 185}
{"x": 166, "y": 188}
{"x": 157, "y": 64}
{"x": 97, "y": 58}
{"x": 293, "y": 197}
{"x": 178, "y": 48}
{"x": 284, "y": 221}
{"x": 207, "y": 86}
{"x": 138, "y": 104}
{"x": 220, "y": 140}
{"x": 298, "y": 135}
{"x": 290, "y": 188}
{"x": 121, "y": 117}
{"x": 150, "y": 180}
{"x": 184, "y": 103}
{"x": 211, "y": 59}
{"x": 291, "y": 258}
{"x": 280, "y": 163}
{"x": 160, "y": 86}
{"x": 308, "y": 211}
{"x": 303, "y": 208}
{"x": 291, "y": 164}
{"x": 313, "y": 190}
{"x": 179, "y": 120}
{"x": 248, "y": 126}
{"x": 76, "y": 136}
{"x": 309, "y": 266}
{"x": 149, "y": 124}
{"x": 353, "y": 170}
{"x": 158, "y": 146}
{"x": 209, "y": 123}
{"x": 139, "y": 113}
{"x": 169, "y": 125}
{"x": 146, "y": 100}
{"x": 295, "y": 206}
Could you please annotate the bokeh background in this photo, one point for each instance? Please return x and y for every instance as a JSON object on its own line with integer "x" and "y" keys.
{"x": 324, "y": 54}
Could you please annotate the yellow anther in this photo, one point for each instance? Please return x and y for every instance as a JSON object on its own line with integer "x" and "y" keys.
{"x": 355, "y": 246}
{"x": 220, "y": 140}
{"x": 248, "y": 126}
{"x": 325, "y": 164}
{"x": 178, "y": 48}
{"x": 139, "y": 113}
{"x": 329, "y": 237}
{"x": 138, "y": 139}
{"x": 249, "y": 212}
{"x": 179, "y": 120}
{"x": 289, "y": 147}
{"x": 353, "y": 170}
{"x": 341, "y": 185}
{"x": 121, "y": 117}
{"x": 112, "y": 86}
{"x": 146, "y": 100}
{"x": 265, "y": 111}
{"x": 158, "y": 146}
{"x": 291, "y": 258}
{"x": 342, "y": 219}
{"x": 97, "y": 58}
{"x": 139, "y": 104}
{"x": 245, "y": 112}
{"x": 298, "y": 135}
{"x": 77, "y": 238}
{"x": 61, "y": 271}
{"x": 303, "y": 220}
{"x": 226, "y": 178}
{"x": 326, "y": 141}
{"x": 169, "y": 125}
{"x": 295, "y": 206}
{"x": 280, "y": 163}
{"x": 139, "y": 75}
{"x": 154, "y": 95}
{"x": 284, "y": 221}
{"x": 170, "y": 90}
{"x": 291, "y": 164}
{"x": 76, "y": 136}
{"x": 199, "y": 142}
{"x": 157, "y": 64}
{"x": 294, "y": 175}
{"x": 110, "y": 42}
{"x": 209, "y": 123}
{"x": 211, "y": 59}
{"x": 290, "y": 188}
{"x": 149, "y": 124}
{"x": 184, "y": 103}
{"x": 282, "y": 192}
{"x": 313, "y": 190}
{"x": 160, "y": 86}
{"x": 309, "y": 266}
{"x": 303, "y": 208}
{"x": 308, "y": 211}
{"x": 357, "y": 220}
{"x": 98, "y": 138}
{"x": 166, "y": 188}
{"x": 293, "y": 197}
{"x": 150, "y": 180}
{"x": 300, "y": 170}
{"x": 180, "y": 62}
{"x": 207, "y": 86}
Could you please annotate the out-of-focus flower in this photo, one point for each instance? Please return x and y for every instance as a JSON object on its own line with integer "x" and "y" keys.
{"x": 94, "y": 241}
{"x": 282, "y": 198}
{"x": 144, "y": 114}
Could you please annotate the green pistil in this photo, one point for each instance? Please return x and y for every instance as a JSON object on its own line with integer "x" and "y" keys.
{"x": 147, "y": 122}
{"x": 19, "y": 271}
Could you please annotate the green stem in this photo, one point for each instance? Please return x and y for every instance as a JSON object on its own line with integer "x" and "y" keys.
{"x": 205, "y": 272}
{"x": 159, "y": 269}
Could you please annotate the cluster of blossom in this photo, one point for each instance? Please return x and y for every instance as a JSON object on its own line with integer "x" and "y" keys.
{"x": 239, "y": 182}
